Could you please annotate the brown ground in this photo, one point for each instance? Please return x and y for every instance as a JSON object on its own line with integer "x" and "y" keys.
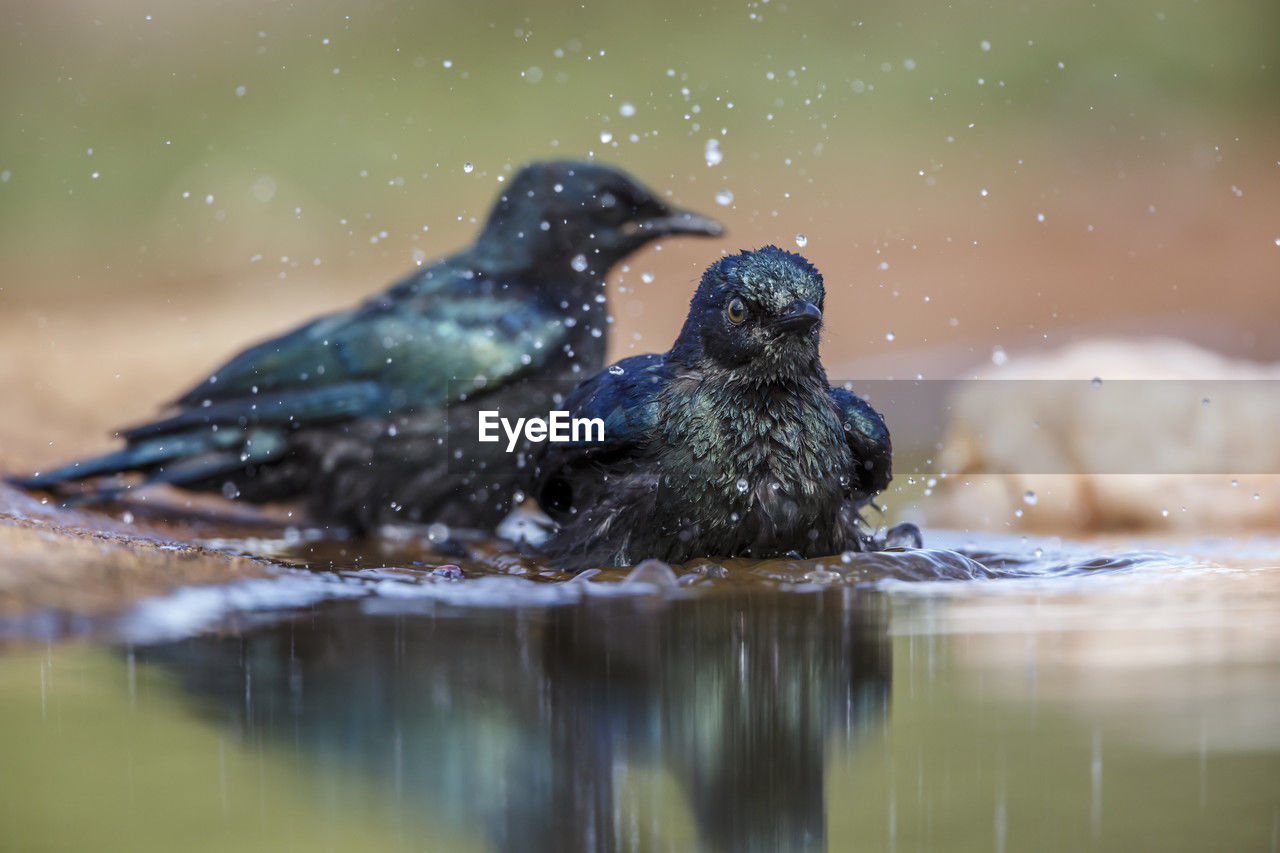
{"x": 89, "y": 564}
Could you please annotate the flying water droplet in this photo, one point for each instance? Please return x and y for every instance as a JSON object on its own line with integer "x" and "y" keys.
{"x": 467, "y": 167}
{"x": 742, "y": 485}
{"x": 646, "y": 277}
{"x": 802, "y": 240}
{"x": 627, "y": 109}
{"x": 724, "y": 198}
{"x": 1097, "y": 382}
{"x": 1029, "y": 498}
{"x": 579, "y": 262}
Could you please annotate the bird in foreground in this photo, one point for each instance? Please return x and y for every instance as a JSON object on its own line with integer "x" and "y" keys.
{"x": 349, "y": 411}
{"x": 730, "y": 444}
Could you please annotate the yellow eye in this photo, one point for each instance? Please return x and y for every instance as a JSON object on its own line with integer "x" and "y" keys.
{"x": 737, "y": 311}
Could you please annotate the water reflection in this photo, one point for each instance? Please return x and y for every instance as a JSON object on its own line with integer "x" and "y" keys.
{"x": 524, "y": 724}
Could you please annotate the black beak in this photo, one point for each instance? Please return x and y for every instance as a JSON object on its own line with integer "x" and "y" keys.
{"x": 800, "y": 317}
{"x": 676, "y": 221}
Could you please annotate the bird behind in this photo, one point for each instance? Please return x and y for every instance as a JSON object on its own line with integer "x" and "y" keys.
{"x": 351, "y": 411}
{"x": 730, "y": 444}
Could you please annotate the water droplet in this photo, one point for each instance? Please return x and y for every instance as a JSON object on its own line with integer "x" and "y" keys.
{"x": 617, "y": 369}
{"x": 646, "y": 277}
{"x": 724, "y": 198}
{"x": 999, "y": 357}
{"x": 742, "y": 485}
{"x": 438, "y": 532}
{"x": 712, "y": 153}
{"x": 579, "y": 262}
{"x": 467, "y": 167}
{"x": 802, "y": 240}
{"x": 1029, "y": 498}
{"x": 888, "y": 336}
{"x": 985, "y": 45}
{"x": 627, "y": 109}
{"x": 240, "y": 90}
{"x": 606, "y": 137}
{"x": 1097, "y": 382}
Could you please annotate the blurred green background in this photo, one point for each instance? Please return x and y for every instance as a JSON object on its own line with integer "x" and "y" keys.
{"x": 179, "y": 179}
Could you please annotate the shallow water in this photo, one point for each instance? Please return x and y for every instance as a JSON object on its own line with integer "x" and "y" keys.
{"x": 991, "y": 693}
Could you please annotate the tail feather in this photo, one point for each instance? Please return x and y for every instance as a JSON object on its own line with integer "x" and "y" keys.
{"x": 133, "y": 458}
{"x": 195, "y": 469}
{"x": 176, "y": 458}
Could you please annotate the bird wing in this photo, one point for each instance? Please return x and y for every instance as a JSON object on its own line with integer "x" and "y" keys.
{"x": 380, "y": 358}
{"x": 625, "y": 397}
{"x": 868, "y": 438}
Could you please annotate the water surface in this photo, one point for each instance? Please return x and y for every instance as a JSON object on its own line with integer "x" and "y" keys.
{"x": 992, "y": 694}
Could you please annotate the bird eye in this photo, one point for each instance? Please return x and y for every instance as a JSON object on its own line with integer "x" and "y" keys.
{"x": 737, "y": 311}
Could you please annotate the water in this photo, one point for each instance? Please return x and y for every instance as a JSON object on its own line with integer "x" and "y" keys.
{"x": 990, "y": 693}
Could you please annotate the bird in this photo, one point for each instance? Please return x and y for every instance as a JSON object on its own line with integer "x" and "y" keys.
{"x": 730, "y": 444}
{"x": 350, "y": 412}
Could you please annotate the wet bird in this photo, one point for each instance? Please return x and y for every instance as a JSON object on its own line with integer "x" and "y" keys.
{"x": 732, "y": 443}
{"x": 350, "y": 411}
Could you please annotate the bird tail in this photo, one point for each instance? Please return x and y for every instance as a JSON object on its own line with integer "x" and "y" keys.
{"x": 177, "y": 458}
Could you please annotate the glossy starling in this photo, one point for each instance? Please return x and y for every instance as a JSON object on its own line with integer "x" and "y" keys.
{"x": 730, "y": 444}
{"x": 348, "y": 412}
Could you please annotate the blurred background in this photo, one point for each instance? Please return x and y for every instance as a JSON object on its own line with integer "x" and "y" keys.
{"x": 979, "y": 182}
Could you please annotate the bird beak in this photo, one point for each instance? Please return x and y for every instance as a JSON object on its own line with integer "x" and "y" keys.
{"x": 800, "y": 317}
{"x": 678, "y": 222}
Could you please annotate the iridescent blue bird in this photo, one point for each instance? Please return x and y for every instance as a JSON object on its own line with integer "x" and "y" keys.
{"x": 732, "y": 443}
{"x": 348, "y": 412}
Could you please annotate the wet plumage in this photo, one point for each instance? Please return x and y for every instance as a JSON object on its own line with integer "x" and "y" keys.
{"x": 732, "y": 443}
{"x": 349, "y": 410}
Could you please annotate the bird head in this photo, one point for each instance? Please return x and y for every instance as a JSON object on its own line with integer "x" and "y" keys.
{"x": 760, "y": 310}
{"x": 584, "y": 215}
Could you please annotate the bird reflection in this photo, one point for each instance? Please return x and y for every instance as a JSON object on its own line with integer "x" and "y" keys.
{"x": 519, "y": 723}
